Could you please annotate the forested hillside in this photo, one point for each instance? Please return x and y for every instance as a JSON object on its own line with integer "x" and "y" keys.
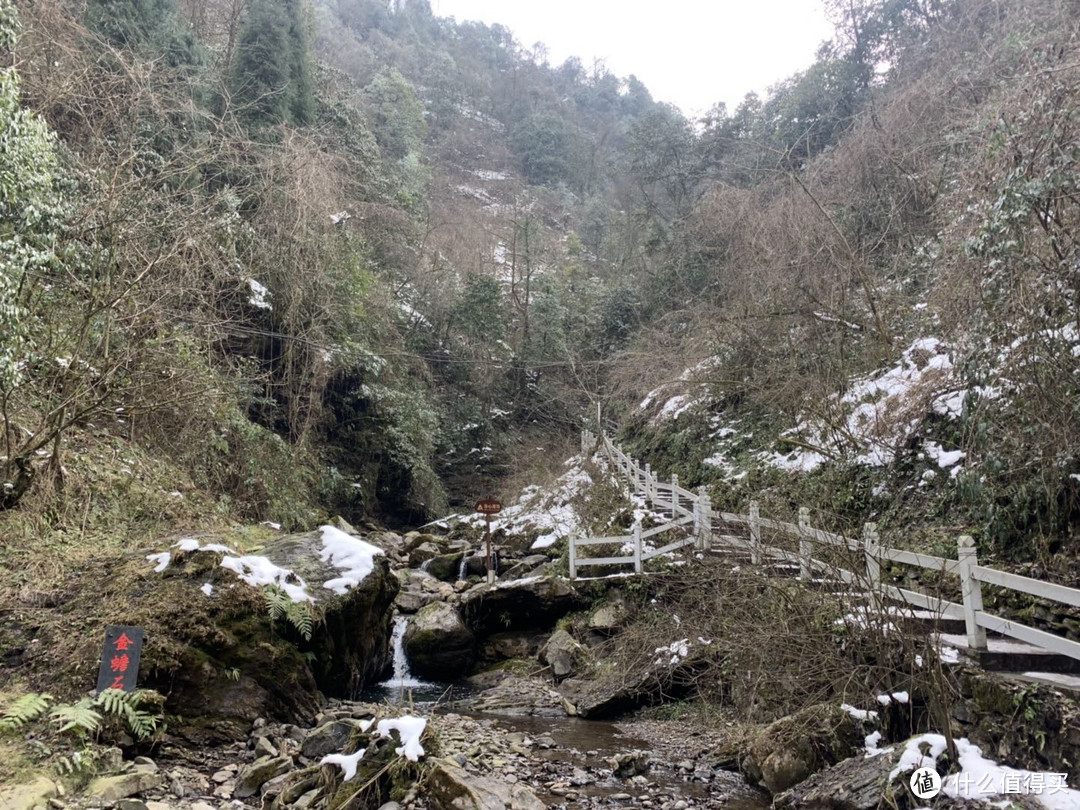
{"x": 271, "y": 260}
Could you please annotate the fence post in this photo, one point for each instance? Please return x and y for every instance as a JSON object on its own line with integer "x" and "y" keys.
{"x": 637, "y": 547}
{"x": 804, "y": 542}
{"x": 674, "y": 496}
{"x": 648, "y": 483}
{"x": 703, "y": 520}
{"x": 871, "y": 543}
{"x": 573, "y": 557}
{"x": 972, "y": 590}
{"x": 755, "y": 533}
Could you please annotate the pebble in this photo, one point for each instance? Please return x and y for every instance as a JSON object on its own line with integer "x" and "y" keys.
{"x": 481, "y": 746}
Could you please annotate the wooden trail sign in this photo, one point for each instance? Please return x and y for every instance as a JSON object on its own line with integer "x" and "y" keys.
{"x": 120, "y": 658}
{"x": 488, "y": 507}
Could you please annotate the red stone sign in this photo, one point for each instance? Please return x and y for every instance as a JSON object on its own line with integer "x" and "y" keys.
{"x": 120, "y": 658}
{"x": 488, "y": 507}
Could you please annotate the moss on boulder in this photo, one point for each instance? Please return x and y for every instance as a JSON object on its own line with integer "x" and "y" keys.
{"x": 438, "y": 644}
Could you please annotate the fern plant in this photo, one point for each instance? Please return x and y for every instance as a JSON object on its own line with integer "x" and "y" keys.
{"x": 24, "y": 710}
{"x": 281, "y": 607}
{"x": 78, "y": 762}
{"x": 84, "y": 717}
{"x": 128, "y": 706}
{"x": 78, "y": 717}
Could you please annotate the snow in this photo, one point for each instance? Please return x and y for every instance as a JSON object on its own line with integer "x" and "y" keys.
{"x": 899, "y": 697}
{"x": 412, "y": 313}
{"x": 550, "y": 512}
{"x": 859, "y": 714}
{"x": 944, "y": 458}
{"x": 878, "y": 413}
{"x": 353, "y": 556}
{"x": 673, "y": 653}
{"x": 913, "y": 758}
{"x": 259, "y": 571}
{"x": 694, "y": 392}
{"x": 950, "y": 655}
{"x": 218, "y": 547}
{"x": 410, "y": 729}
{"x": 207, "y": 588}
{"x": 487, "y": 174}
{"x": 675, "y": 407}
{"x": 871, "y": 745}
{"x": 347, "y": 762}
{"x": 984, "y": 779}
{"x": 259, "y": 295}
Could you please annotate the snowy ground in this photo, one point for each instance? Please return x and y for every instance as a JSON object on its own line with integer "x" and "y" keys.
{"x": 549, "y": 511}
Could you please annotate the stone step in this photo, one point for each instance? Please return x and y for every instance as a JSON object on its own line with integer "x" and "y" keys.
{"x": 1009, "y": 655}
{"x": 1055, "y": 679}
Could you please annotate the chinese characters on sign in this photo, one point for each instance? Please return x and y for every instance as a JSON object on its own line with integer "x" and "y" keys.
{"x": 120, "y": 658}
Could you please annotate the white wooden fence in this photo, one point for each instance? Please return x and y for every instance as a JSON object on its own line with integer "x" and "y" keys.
{"x": 689, "y": 509}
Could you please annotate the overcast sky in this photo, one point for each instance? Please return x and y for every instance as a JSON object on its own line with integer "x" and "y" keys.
{"x": 692, "y": 53}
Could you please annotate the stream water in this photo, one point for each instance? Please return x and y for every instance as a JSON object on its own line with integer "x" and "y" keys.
{"x": 403, "y": 688}
{"x": 576, "y": 748}
{"x": 586, "y": 745}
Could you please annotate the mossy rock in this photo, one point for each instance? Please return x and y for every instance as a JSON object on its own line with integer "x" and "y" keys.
{"x": 789, "y": 750}
{"x": 218, "y": 659}
{"x": 445, "y": 567}
{"x": 438, "y": 644}
{"x": 372, "y": 770}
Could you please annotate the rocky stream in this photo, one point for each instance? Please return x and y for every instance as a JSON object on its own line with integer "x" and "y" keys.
{"x": 418, "y": 684}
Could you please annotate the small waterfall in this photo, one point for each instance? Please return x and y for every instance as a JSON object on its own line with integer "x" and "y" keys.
{"x": 401, "y": 677}
{"x": 463, "y": 569}
{"x": 424, "y": 566}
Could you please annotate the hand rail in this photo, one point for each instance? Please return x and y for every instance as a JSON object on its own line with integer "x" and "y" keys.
{"x": 670, "y": 497}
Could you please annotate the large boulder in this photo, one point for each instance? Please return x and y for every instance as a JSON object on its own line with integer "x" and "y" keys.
{"x": 610, "y": 617}
{"x": 216, "y": 647}
{"x": 445, "y": 567}
{"x": 438, "y": 644}
{"x": 512, "y": 696}
{"x": 451, "y": 787}
{"x": 413, "y": 540}
{"x": 522, "y": 569}
{"x": 524, "y": 604}
{"x": 504, "y": 646}
{"x": 351, "y": 645}
{"x": 646, "y": 681}
{"x": 858, "y": 783}
{"x": 563, "y": 654}
{"x": 789, "y": 750}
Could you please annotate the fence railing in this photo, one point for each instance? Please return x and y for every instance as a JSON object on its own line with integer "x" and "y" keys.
{"x": 687, "y": 508}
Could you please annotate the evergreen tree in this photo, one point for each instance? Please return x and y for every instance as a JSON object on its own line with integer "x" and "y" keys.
{"x": 150, "y": 25}
{"x": 28, "y": 207}
{"x": 397, "y": 113}
{"x": 271, "y": 79}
